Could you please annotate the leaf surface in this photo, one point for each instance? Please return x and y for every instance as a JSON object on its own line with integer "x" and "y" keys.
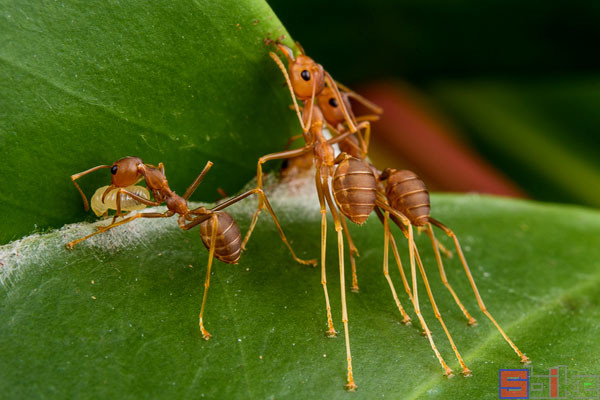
{"x": 117, "y": 316}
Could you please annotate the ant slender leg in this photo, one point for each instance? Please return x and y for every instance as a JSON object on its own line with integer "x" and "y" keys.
{"x": 429, "y": 231}
{"x": 119, "y": 213}
{"x": 211, "y": 256}
{"x": 415, "y": 297}
{"x": 399, "y": 264}
{"x": 192, "y": 188}
{"x": 331, "y": 331}
{"x": 449, "y": 232}
{"x": 166, "y": 214}
{"x": 395, "y": 248}
{"x": 292, "y": 140}
{"x": 465, "y": 371}
{"x": 364, "y": 143}
{"x": 405, "y": 317}
{"x": 86, "y": 204}
{"x": 353, "y": 251}
{"x": 347, "y": 117}
{"x": 350, "y": 385}
{"x": 140, "y": 199}
{"x": 280, "y": 230}
{"x": 261, "y": 161}
{"x": 367, "y": 103}
{"x": 267, "y": 205}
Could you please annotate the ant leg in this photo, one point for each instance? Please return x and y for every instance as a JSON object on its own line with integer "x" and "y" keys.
{"x": 429, "y": 231}
{"x": 192, "y": 188}
{"x": 139, "y": 199}
{"x": 292, "y": 140}
{"x": 465, "y": 371}
{"x": 353, "y": 251}
{"x": 347, "y": 117}
{"x": 443, "y": 249}
{"x": 367, "y": 103}
{"x": 364, "y": 142}
{"x": 331, "y": 331}
{"x": 86, "y": 204}
{"x": 166, "y": 214}
{"x": 280, "y": 230}
{"x": 119, "y": 212}
{"x": 261, "y": 161}
{"x": 211, "y": 255}
{"x": 263, "y": 199}
{"x": 449, "y": 232}
{"x": 386, "y": 234}
{"x": 399, "y": 264}
{"x": 370, "y": 118}
{"x": 350, "y": 385}
{"x": 415, "y": 297}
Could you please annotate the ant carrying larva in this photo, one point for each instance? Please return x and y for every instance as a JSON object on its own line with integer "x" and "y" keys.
{"x": 219, "y": 232}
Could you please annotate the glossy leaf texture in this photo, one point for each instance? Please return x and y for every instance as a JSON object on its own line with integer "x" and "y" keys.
{"x": 118, "y": 317}
{"x": 178, "y": 82}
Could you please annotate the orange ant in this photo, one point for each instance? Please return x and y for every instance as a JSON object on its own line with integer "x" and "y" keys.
{"x": 353, "y": 203}
{"x": 308, "y": 81}
{"x": 219, "y": 231}
{"x": 405, "y": 200}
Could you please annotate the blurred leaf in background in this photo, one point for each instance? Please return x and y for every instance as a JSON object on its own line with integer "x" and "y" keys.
{"x": 516, "y": 81}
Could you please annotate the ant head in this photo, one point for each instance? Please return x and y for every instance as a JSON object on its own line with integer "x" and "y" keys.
{"x": 305, "y": 74}
{"x": 125, "y": 171}
{"x": 330, "y": 106}
{"x": 386, "y": 174}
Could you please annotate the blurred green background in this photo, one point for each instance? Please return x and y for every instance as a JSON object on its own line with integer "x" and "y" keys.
{"x": 510, "y": 88}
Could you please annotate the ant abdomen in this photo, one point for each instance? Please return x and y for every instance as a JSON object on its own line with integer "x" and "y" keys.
{"x": 407, "y": 193}
{"x": 228, "y": 246}
{"x": 354, "y": 189}
{"x": 110, "y": 201}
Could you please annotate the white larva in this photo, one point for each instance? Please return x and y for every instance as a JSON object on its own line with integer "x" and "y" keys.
{"x": 110, "y": 201}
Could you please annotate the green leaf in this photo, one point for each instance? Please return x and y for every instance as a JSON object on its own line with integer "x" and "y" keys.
{"x": 117, "y": 316}
{"x": 179, "y": 82}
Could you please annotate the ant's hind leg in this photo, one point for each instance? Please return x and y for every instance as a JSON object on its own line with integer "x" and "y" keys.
{"x": 429, "y": 231}
{"x": 331, "y": 331}
{"x": 353, "y": 252}
{"x": 273, "y": 156}
{"x": 465, "y": 371}
{"x": 211, "y": 256}
{"x": 387, "y": 235}
{"x": 325, "y": 190}
{"x": 449, "y": 232}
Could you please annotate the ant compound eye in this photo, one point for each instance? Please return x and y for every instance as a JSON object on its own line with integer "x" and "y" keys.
{"x": 305, "y": 75}
{"x": 114, "y": 169}
{"x": 333, "y": 102}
